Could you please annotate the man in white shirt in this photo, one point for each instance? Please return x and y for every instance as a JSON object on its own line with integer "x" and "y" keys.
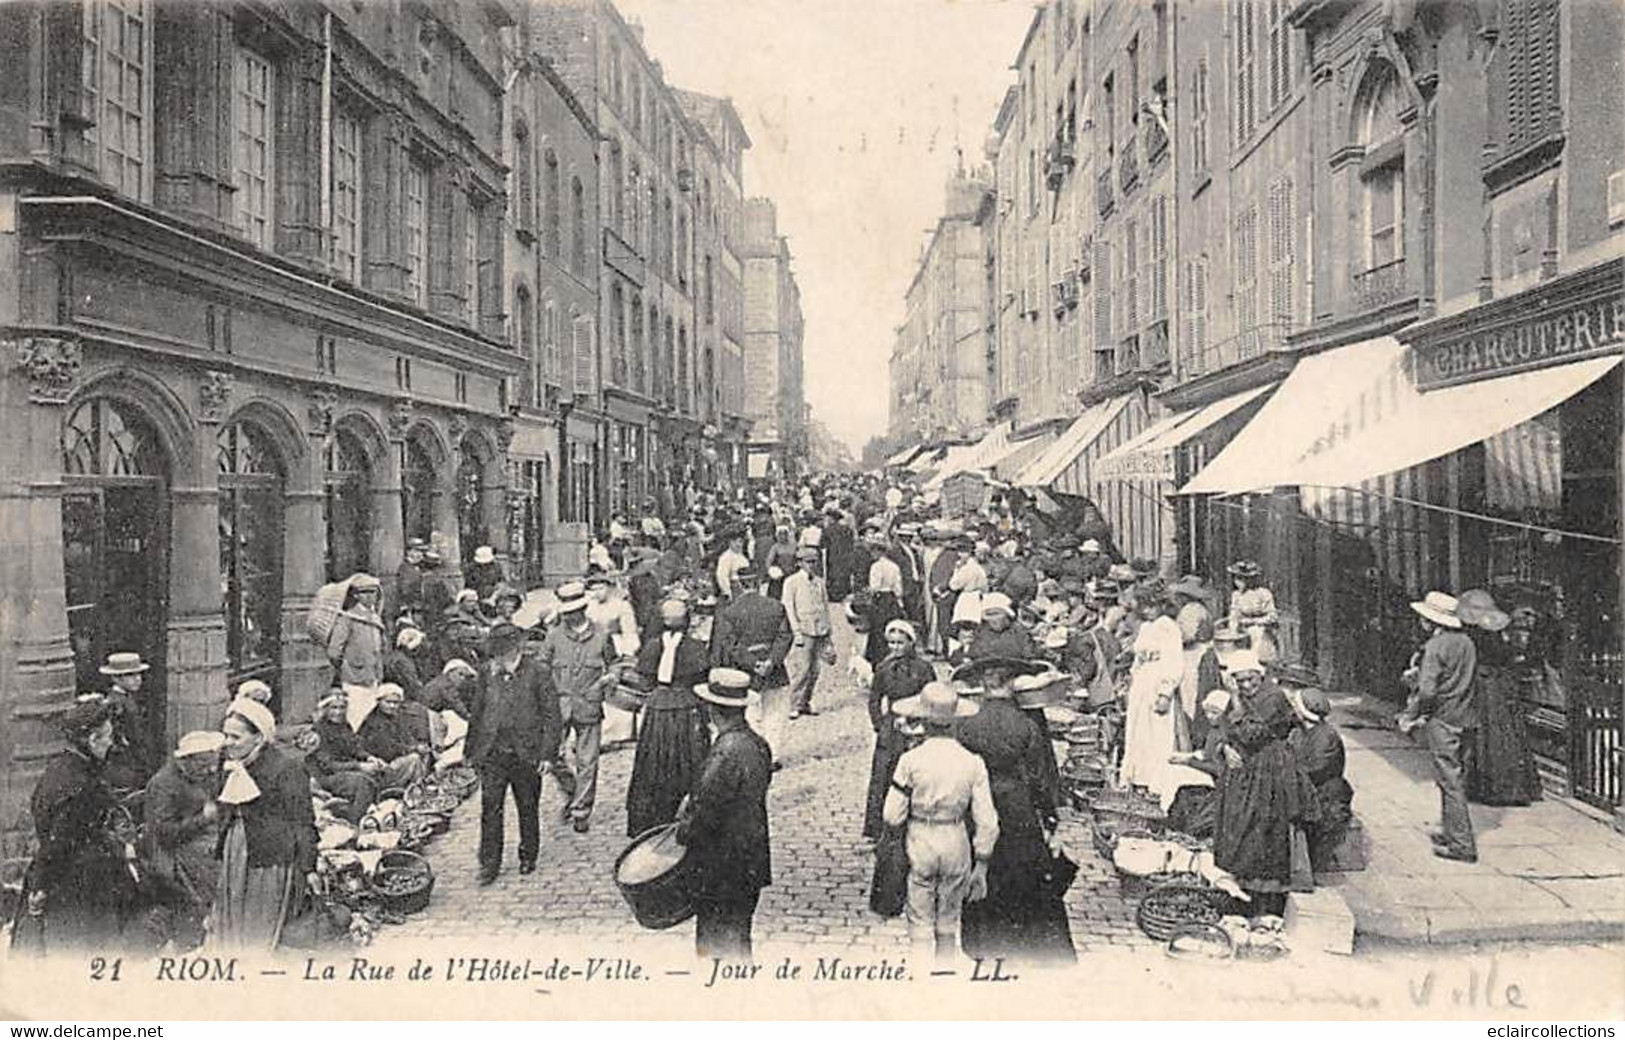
{"x": 806, "y": 601}
{"x": 730, "y": 563}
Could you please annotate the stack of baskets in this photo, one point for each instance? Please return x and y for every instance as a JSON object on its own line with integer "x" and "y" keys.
{"x": 1088, "y": 765}
{"x": 1115, "y": 811}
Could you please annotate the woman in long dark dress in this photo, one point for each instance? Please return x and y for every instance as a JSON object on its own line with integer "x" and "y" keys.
{"x": 902, "y": 674}
{"x": 1265, "y": 799}
{"x": 1500, "y": 770}
{"x": 673, "y": 737}
{"x": 78, "y": 888}
{"x": 883, "y": 582}
{"x": 1023, "y": 917}
{"x": 268, "y": 837}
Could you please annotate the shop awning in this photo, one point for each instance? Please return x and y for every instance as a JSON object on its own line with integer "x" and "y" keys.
{"x": 1151, "y": 453}
{"x": 1043, "y": 470}
{"x": 980, "y": 455}
{"x": 1418, "y": 427}
{"x": 1333, "y": 383}
{"x": 902, "y": 457}
{"x": 1018, "y": 454}
{"x": 925, "y": 462}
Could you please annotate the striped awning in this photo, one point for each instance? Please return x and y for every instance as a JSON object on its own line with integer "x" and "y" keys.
{"x": 1397, "y": 426}
{"x": 1054, "y": 461}
{"x": 1151, "y": 454}
{"x": 1268, "y": 448}
{"x": 1019, "y": 453}
{"x": 980, "y": 455}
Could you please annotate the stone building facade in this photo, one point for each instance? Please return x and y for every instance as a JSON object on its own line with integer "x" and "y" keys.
{"x": 774, "y": 394}
{"x": 938, "y": 366}
{"x": 253, "y": 312}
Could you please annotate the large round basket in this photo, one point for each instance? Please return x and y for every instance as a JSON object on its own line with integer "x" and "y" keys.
{"x": 1169, "y": 908}
{"x": 403, "y": 881}
{"x": 653, "y": 876}
{"x": 415, "y": 795}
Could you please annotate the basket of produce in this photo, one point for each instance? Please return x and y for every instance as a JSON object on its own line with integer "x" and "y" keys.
{"x": 1173, "y": 905}
{"x": 460, "y": 781}
{"x": 417, "y": 830}
{"x": 1127, "y": 806}
{"x": 441, "y": 803}
{"x": 1200, "y": 941}
{"x": 403, "y": 881}
{"x": 434, "y": 823}
{"x": 1137, "y": 886}
{"x": 425, "y": 790}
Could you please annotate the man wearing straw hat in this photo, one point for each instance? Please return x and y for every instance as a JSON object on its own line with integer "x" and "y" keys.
{"x": 1443, "y": 703}
{"x": 934, "y": 789}
{"x": 132, "y": 758}
{"x": 724, "y": 824}
{"x": 577, "y": 654}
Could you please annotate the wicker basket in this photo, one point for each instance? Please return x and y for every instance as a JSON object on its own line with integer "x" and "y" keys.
{"x": 1127, "y": 807}
{"x": 1105, "y": 835}
{"x": 403, "y": 881}
{"x": 325, "y": 608}
{"x": 1169, "y": 907}
{"x": 1200, "y": 941}
{"x": 461, "y": 781}
{"x": 1135, "y": 886}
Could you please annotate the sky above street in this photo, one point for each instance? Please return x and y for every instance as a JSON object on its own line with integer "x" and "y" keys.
{"x": 856, "y": 109}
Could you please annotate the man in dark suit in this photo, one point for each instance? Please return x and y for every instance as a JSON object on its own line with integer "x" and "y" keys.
{"x": 838, "y": 541}
{"x": 725, "y": 825}
{"x": 753, "y": 635}
{"x": 513, "y": 732}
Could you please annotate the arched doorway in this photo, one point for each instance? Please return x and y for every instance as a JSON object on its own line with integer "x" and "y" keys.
{"x": 473, "y": 525}
{"x": 349, "y": 505}
{"x": 419, "y": 486}
{"x": 251, "y": 478}
{"x": 115, "y": 541}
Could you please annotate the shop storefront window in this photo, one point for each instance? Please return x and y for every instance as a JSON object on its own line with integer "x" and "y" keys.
{"x": 348, "y": 506}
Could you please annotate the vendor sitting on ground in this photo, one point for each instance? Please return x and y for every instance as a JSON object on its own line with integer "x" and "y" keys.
{"x": 389, "y": 734}
{"x": 1320, "y": 752}
{"x": 1194, "y": 806}
{"x": 339, "y": 762}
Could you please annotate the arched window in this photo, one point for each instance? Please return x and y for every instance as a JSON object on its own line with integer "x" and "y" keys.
{"x": 114, "y": 538}
{"x": 348, "y": 505}
{"x": 578, "y": 228}
{"x": 1382, "y": 178}
{"x": 524, "y": 177}
{"x": 552, "y": 241}
{"x": 250, "y": 475}
{"x": 419, "y": 485}
{"x": 473, "y": 523}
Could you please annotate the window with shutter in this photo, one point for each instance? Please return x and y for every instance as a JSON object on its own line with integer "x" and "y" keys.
{"x": 1246, "y": 270}
{"x": 1196, "y": 310}
{"x": 581, "y": 335}
{"x": 1281, "y": 222}
{"x": 1131, "y": 278}
{"x": 1529, "y": 51}
{"x": 1244, "y": 66}
{"x": 1158, "y": 268}
{"x": 1199, "y": 111}
{"x": 1103, "y": 294}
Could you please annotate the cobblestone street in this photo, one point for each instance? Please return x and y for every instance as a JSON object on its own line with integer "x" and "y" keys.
{"x": 821, "y": 870}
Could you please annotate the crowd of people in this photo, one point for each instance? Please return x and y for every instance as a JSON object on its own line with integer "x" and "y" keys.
{"x": 699, "y": 639}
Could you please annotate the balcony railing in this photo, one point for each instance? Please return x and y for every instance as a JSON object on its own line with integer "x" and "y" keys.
{"x": 1380, "y": 285}
{"x": 1103, "y": 191}
{"x": 1254, "y": 342}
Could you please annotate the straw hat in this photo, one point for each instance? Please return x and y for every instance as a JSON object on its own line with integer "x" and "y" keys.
{"x": 485, "y": 554}
{"x": 937, "y": 700}
{"x": 124, "y": 663}
{"x": 1038, "y": 691}
{"x": 1477, "y": 607}
{"x": 972, "y": 672}
{"x": 1439, "y": 608}
{"x": 572, "y": 597}
{"x": 996, "y": 601}
{"x": 728, "y": 687}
